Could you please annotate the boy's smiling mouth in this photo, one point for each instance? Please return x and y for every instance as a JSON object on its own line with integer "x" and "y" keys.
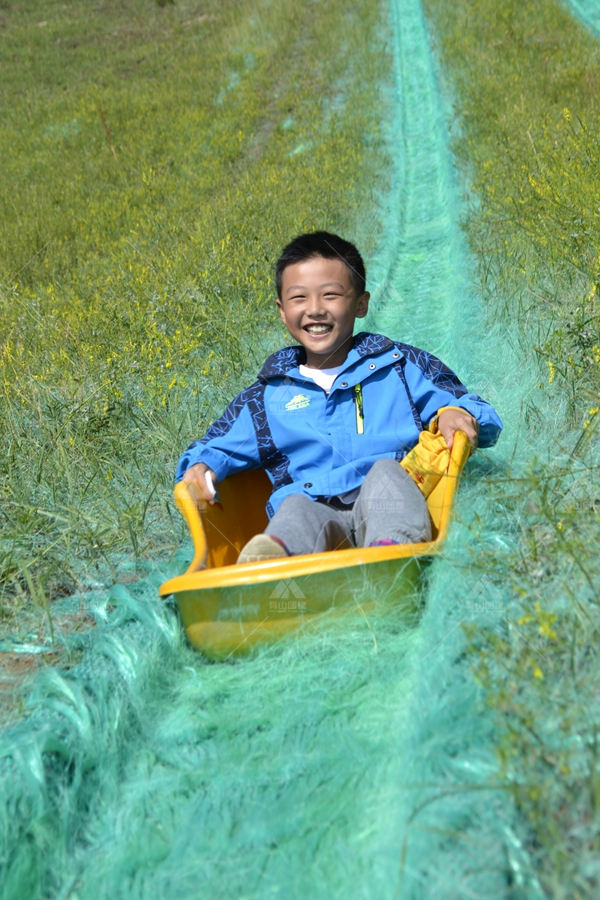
{"x": 320, "y": 328}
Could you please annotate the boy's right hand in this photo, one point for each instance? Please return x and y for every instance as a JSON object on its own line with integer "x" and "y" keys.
{"x": 197, "y": 475}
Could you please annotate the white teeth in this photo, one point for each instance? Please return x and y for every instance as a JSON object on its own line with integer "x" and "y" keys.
{"x": 318, "y": 329}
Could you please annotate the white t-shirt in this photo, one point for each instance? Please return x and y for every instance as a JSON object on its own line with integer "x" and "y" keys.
{"x": 323, "y": 377}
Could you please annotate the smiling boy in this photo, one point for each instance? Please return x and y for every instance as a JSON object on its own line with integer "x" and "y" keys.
{"x": 330, "y": 419}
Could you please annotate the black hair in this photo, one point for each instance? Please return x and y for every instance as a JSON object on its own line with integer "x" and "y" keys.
{"x": 328, "y": 246}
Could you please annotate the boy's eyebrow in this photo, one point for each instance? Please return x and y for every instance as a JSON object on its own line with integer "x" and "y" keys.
{"x": 301, "y": 287}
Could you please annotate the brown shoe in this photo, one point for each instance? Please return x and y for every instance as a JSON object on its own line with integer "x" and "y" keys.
{"x": 260, "y": 547}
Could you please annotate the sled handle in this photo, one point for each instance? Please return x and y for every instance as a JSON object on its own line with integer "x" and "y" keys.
{"x": 190, "y": 499}
{"x": 461, "y": 450}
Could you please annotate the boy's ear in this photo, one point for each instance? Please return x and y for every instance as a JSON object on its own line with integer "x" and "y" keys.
{"x": 280, "y": 307}
{"x": 362, "y": 305}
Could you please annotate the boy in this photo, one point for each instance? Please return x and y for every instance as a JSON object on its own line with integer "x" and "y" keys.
{"x": 330, "y": 419}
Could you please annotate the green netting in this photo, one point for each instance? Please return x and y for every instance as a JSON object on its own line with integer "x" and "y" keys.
{"x": 357, "y": 761}
{"x": 589, "y": 12}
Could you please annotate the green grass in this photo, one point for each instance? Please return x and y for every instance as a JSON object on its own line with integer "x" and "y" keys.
{"x": 155, "y": 160}
{"x": 528, "y": 124}
{"x": 525, "y": 82}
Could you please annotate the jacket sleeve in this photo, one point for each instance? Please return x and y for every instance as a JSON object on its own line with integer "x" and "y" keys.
{"x": 229, "y": 445}
{"x": 433, "y": 385}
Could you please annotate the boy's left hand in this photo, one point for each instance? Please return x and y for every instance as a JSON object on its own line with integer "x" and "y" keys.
{"x": 451, "y": 420}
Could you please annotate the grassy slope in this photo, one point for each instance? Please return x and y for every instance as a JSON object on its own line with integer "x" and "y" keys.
{"x": 525, "y": 85}
{"x": 156, "y": 158}
{"x": 235, "y": 762}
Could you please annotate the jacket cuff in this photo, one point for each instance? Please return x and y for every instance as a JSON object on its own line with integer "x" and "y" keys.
{"x": 211, "y": 458}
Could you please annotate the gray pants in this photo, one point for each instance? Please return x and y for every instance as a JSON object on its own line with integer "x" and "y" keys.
{"x": 389, "y": 505}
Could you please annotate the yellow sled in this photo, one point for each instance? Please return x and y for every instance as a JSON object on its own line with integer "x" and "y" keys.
{"x": 227, "y": 609}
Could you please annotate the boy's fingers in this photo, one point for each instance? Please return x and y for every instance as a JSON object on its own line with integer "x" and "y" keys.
{"x": 447, "y": 434}
{"x": 472, "y": 437}
{"x": 448, "y": 425}
{"x": 471, "y": 433}
{"x": 197, "y": 475}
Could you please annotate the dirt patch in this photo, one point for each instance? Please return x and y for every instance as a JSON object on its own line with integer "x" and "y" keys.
{"x": 17, "y": 668}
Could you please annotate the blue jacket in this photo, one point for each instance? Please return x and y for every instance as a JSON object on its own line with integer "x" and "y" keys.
{"x": 311, "y": 443}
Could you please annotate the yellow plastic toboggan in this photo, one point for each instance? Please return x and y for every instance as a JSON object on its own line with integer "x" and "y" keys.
{"x": 228, "y": 609}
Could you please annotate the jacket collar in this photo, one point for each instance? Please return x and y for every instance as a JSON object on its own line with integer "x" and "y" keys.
{"x": 289, "y": 358}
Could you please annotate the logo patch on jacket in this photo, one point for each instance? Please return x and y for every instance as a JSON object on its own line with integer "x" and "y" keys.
{"x": 298, "y": 402}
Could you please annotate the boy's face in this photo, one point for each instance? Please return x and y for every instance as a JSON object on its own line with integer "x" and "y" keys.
{"x": 318, "y": 307}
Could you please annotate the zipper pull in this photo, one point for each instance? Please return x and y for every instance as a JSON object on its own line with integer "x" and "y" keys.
{"x": 358, "y": 402}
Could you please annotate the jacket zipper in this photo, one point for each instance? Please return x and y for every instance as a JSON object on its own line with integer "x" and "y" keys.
{"x": 358, "y": 402}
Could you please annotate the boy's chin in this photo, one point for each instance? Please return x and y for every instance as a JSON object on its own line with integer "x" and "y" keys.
{"x": 332, "y": 355}
{"x": 320, "y": 349}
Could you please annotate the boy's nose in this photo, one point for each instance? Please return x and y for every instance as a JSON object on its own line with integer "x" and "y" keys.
{"x": 315, "y": 307}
